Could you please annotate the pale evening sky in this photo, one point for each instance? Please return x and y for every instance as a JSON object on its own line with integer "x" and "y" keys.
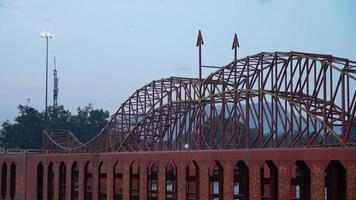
{"x": 107, "y": 49}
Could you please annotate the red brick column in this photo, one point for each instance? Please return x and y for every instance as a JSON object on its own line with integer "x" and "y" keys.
{"x": 21, "y": 178}
{"x": 317, "y": 179}
{"x": 68, "y": 180}
{"x": 81, "y": 181}
{"x": 254, "y": 179}
{"x": 96, "y": 180}
{"x": 284, "y": 179}
{"x": 126, "y": 181}
{"x": 45, "y": 180}
{"x": 109, "y": 180}
{"x": 181, "y": 182}
{"x": 143, "y": 181}
{"x": 162, "y": 180}
{"x": 350, "y": 179}
{"x": 56, "y": 181}
{"x": 204, "y": 179}
{"x": 228, "y": 167}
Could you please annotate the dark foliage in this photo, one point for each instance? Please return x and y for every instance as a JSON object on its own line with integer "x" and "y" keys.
{"x": 26, "y": 131}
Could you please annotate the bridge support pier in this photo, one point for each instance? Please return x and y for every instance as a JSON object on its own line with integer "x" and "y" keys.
{"x": 56, "y": 181}
{"x": 181, "y": 180}
{"x": 126, "y": 181}
{"x": 284, "y": 179}
{"x": 162, "y": 180}
{"x": 143, "y": 180}
{"x": 110, "y": 180}
{"x": 255, "y": 179}
{"x": 68, "y": 180}
{"x": 350, "y": 179}
{"x": 317, "y": 179}
{"x": 228, "y": 167}
{"x": 204, "y": 179}
{"x": 81, "y": 180}
{"x": 45, "y": 180}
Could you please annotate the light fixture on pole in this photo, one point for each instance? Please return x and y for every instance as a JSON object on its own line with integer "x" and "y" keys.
{"x": 47, "y": 36}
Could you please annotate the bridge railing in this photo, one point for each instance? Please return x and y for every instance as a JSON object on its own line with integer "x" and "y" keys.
{"x": 21, "y": 151}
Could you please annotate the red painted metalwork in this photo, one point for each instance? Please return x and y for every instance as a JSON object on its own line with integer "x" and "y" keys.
{"x": 267, "y": 100}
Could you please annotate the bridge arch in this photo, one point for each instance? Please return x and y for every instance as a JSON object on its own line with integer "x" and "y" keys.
{"x": 267, "y": 100}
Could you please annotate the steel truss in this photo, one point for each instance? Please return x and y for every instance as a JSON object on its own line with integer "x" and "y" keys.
{"x": 268, "y": 100}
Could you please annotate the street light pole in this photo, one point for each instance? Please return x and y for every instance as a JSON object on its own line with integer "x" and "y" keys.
{"x": 47, "y": 36}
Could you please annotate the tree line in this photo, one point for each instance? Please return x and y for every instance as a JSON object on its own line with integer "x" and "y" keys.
{"x": 25, "y": 132}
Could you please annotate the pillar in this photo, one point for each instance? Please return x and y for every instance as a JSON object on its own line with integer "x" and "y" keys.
{"x": 254, "y": 179}
{"x": 228, "y": 171}
{"x": 284, "y": 179}
{"x": 68, "y": 180}
{"x": 204, "y": 179}
{"x": 126, "y": 181}
{"x": 317, "y": 179}
{"x": 143, "y": 181}
{"x": 350, "y": 167}
{"x": 81, "y": 180}
{"x": 56, "y": 181}
{"x": 110, "y": 180}
{"x": 161, "y": 180}
{"x": 181, "y": 180}
{"x": 96, "y": 180}
{"x": 45, "y": 180}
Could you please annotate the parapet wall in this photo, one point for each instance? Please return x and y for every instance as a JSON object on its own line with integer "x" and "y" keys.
{"x": 227, "y": 174}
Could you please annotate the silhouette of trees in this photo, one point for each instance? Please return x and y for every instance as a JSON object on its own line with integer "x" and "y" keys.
{"x": 26, "y": 130}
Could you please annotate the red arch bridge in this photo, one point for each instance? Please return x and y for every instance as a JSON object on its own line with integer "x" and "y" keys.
{"x": 268, "y": 126}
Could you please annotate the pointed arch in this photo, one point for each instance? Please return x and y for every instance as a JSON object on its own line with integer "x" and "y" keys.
{"x": 75, "y": 181}
{"x": 39, "y": 185}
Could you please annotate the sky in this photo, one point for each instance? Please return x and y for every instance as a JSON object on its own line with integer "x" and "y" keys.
{"x": 107, "y": 49}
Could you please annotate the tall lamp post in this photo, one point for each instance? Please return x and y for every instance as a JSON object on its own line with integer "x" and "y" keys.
{"x": 46, "y": 36}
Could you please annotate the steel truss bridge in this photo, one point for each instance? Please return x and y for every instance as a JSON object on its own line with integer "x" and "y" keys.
{"x": 271, "y": 126}
{"x": 267, "y": 100}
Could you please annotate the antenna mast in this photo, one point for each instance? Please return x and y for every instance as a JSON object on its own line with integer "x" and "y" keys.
{"x": 55, "y": 85}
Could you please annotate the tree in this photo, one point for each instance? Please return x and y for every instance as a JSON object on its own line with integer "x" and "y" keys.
{"x": 26, "y": 130}
{"x": 88, "y": 122}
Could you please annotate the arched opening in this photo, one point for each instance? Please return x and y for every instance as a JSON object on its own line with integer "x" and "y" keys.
{"x": 216, "y": 181}
{"x": 12, "y": 181}
{"x": 152, "y": 181}
{"x": 134, "y": 181}
{"x": 171, "y": 181}
{"x": 39, "y": 185}
{"x": 62, "y": 181}
{"x": 118, "y": 171}
{"x": 88, "y": 181}
{"x": 300, "y": 181}
{"x": 192, "y": 180}
{"x": 3, "y": 180}
{"x": 102, "y": 182}
{"x": 75, "y": 182}
{"x": 50, "y": 182}
{"x": 335, "y": 181}
{"x": 269, "y": 181}
{"x": 241, "y": 181}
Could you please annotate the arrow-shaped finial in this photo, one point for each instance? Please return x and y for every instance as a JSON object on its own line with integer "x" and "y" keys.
{"x": 235, "y": 43}
{"x": 200, "y": 39}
